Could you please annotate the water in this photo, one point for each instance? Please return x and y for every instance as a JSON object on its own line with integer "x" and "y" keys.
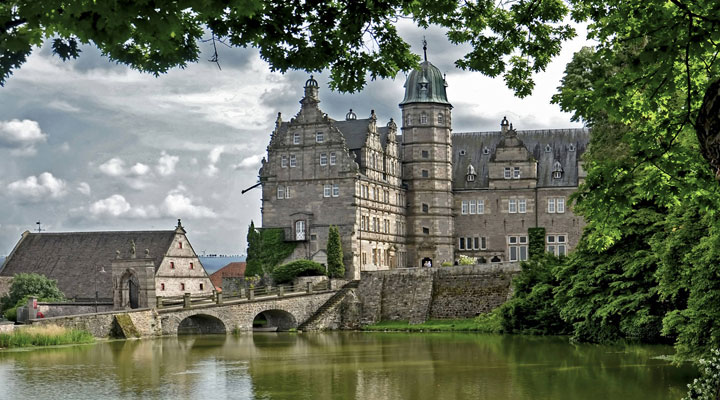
{"x": 343, "y": 365}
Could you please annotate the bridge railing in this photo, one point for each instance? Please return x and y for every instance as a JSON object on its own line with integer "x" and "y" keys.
{"x": 189, "y": 300}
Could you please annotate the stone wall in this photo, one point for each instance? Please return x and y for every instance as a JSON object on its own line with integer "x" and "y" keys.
{"x": 418, "y": 294}
{"x": 145, "y": 322}
{"x": 61, "y": 309}
{"x": 5, "y": 283}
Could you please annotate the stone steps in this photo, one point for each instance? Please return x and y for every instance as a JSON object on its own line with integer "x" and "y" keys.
{"x": 330, "y": 303}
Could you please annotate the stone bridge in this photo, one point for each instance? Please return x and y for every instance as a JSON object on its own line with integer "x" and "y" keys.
{"x": 284, "y": 312}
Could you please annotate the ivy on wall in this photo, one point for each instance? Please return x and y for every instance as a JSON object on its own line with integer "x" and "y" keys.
{"x": 267, "y": 248}
{"x": 536, "y": 237}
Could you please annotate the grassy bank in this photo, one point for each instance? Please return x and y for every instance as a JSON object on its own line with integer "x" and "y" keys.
{"x": 48, "y": 335}
{"x": 486, "y": 323}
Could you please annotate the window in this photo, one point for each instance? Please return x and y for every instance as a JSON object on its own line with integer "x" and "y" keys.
{"x": 408, "y": 120}
{"x": 300, "y": 230}
{"x": 192, "y": 266}
{"x": 481, "y": 206}
{"x": 461, "y": 245}
{"x": 386, "y": 196}
{"x": 364, "y": 191}
{"x": 425, "y": 173}
{"x": 507, "y": 173}
{"x": 556, "y": 205}
{"x": 327, "y": 190}
{"x": 362, "y": 222}
{"x": 387, "y": 225}
{"x": 516, "y": 173}
{"x": 293, "y": 161}
{"x": 512, "y": 206}
{"x": 483, "y": 243}
{"x": 425, "y": 208}
{"x": 182, "y": 286}
{"x": 486, "y": 151}
{"x": 440, "y": 119}
{"x": 335, "y": 190}
{"x": 517, "y": 248}
{"x": 426, "y": 230}
{"x": 476, "y": 243}
{"x": 323, "y": 159}
{"x": 557, "y": 244}
{"x": 281, "y": 192}
{"x": 522, "y": 206}
{"x": 464, "y": 209}
{"x": 364, "y": 258}
{"x": 425, "y": 154}
{"x": 202, "y": 287}
{"x": 423, "y": 118}
{"x": 296, "y": 138}
{"x": 548, "y": 148}
{"x": 557, "y": 174}
{"x": 319, "y": 137}
{"x": 371, "y": 193}
{"x": 179, "y": 245}
{"x": 162, "y": 286}
{"x": 571, "y": 147}
{"x": 473, "y": 207}
{"x": 283, "y": 161}
{"x": 172, "y": 265}
{"x": 376, "y": 194}
{"x": 333, "y": 158}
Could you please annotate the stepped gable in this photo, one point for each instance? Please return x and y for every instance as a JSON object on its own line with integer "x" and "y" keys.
{"x": 547, "y": 146}
{"x": 355, "y": 132}
{"x": 74, "y": 259}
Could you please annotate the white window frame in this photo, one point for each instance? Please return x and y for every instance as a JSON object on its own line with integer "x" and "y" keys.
{"x": 516, "y": 173}
{"x": 557, "y": 244}
{"x": 319, "y": 137}
{"x": 280, "y": 192}
{"x": 473, "y": 207}
{"x": 560, "y": 205}
{"x": 440, "y": 119}
{"x": 335, "y": 190}
{"x": 507, "y": 174}
{"x": 512, "y": 206}
{"x": 333, "y": 158}
{"x": 551, "y": 205}
{"x": 323, "y": 159}
{"x": 517, "y": 248}
{"x": 327, "y": 190}
{"x": 293, "y": 161}
{"x": 283, "y": 162}
{"x": 300, "y": 230}
{"x": 296, "y": 138}
{"x": 481, "y": 206}
{"x": 464, "y": 207}
{"x": 522, "y": 206}
{"x": 483, "y": 242}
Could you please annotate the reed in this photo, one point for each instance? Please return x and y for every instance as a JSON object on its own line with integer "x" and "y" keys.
{"x": 46, "y": 335}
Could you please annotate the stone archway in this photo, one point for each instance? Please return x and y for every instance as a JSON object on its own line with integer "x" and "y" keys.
{"x": 129, "y": 289}
{"x": 200, "y": 324}
{"x": 426, "y": 262}
{"x": 274, "y": 320}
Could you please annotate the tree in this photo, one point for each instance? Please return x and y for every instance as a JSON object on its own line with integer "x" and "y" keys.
{"x": 353, "y": 38}
{"x": 336, "y": 267}
{"x": 267, "y": 248}
{"x": 26, "y": 285}
{"x": 253, "y": 265}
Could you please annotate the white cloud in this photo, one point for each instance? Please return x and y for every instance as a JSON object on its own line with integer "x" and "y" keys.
{"x": 21, "y": 136}
{"x": 139, "y": 169}
{"x": 213, "y": 158}
{"x": 65, "y": 147}
{"x": 113, "y": 167}
{"x": 166, "y": 164}
{"x": 84, "y": 188}
{"x": 38, "y": 187}
{"x": 251, "y": 162}
{"x": 178, "y": 205}
{"x": 117, "y": 206}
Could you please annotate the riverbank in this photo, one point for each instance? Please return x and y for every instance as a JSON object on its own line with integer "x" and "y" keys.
{"x": 485, "y": 323}
{"x": 41, "y": 336}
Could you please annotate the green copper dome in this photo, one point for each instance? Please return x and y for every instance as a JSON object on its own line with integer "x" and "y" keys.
{"x": 425, "y": 85}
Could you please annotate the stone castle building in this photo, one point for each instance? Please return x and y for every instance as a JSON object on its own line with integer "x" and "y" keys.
{"x": 418, "y": 194}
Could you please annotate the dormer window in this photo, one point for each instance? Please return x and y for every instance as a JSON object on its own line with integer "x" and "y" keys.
{"x": 471, "y": 173}
{"x": 319, "y": 137}
{"x": 571, "y": 147}
{"x": 557, "y": 171}
{"x": 486, "y": 151}
{"x": 423, "y": 119}
{"x": 548, "y": 149}
{"x": 296, "y": 138}
{"x": 462, "y": 152}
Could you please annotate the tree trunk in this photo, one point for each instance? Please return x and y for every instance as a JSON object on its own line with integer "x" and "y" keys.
{"x": 707, "y": 127}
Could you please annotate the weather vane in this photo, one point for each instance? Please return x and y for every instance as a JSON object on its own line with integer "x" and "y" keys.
{"x": 425, "y": 48}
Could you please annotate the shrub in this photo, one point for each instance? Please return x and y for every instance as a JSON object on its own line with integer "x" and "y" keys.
{"x": 465, "y": 260}
{"x": 266, "y": 249}
{"x": 707, "y": 386}
{"x": 286, "y": 273}
{"x": 336, "y": 268}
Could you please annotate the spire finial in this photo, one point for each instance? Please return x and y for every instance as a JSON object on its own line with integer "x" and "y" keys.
{"x": 425, "y": 48}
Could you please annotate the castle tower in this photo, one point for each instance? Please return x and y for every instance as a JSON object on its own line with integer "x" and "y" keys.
{"x": 427, "y": 167}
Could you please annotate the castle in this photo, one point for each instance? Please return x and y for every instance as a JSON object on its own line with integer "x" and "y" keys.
{"x": 418, "y": 194}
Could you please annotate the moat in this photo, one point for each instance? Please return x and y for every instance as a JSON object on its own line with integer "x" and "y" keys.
{"x": 344, "y": 365}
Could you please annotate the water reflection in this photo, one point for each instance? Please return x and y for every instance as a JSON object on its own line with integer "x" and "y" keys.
{"x": 344, "y": 366}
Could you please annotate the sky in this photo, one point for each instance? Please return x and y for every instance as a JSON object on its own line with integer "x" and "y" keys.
{"x": 90, "y": 145}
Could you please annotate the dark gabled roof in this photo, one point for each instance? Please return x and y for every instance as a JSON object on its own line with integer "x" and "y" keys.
{"x": 355, "y": 132}
{"x": 564, "y": 145}
{"x": 74, "y": 259}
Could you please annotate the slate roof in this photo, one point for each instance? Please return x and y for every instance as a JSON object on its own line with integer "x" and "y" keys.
{"x": 356, "y": 130}
{"x": 74, "y": 259}
{"x": 232, "y": 270}
{"x": 564, "y": 145}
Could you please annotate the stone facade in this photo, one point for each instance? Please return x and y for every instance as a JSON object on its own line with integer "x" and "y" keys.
{"x": 418, "y": 195}
{"x": 180, "y": 270}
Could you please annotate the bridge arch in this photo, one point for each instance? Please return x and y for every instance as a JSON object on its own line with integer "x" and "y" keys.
{"x": 201, "y": 324}
{"x": 275, "y": 318}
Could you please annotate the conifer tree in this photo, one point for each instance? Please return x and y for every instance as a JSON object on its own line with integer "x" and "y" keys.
{"x": 253, "y": 261}
{"x": 336, "y": 268}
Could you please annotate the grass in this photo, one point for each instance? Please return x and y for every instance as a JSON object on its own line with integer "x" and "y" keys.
{"x": 485, "y": 323}
{"x": 46, "y": 335}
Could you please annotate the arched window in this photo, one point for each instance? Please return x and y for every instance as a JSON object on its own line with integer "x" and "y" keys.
{"x": 300, "y": 230}
{"x": 423, "y": 119}
{"x": 441, "y": 119}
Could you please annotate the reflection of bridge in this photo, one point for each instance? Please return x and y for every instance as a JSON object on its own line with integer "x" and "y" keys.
{"x": 284, "y": 310}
